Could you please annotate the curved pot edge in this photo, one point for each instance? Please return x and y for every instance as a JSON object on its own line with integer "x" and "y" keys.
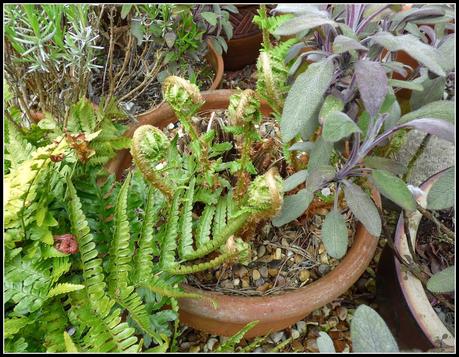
{"x": 411, "y": 287}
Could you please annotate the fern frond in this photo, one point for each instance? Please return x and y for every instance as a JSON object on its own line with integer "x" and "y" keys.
{"x": 205, "y": 225}
{"x": 64, "y": 288}
{"x": 19, "y": 345}
{"x": 186, "y": 234}
{"x": 230, "y": 343}
{"x": 231, "y": 228}
{"x": 92, "y": 266}
{"x": 132, "y": 302}
{"x": 17, "y": 146}
{"x": 14, "y": 324}
{"x": 162, "y": 288}
{"x": 69, "y": 345}
{"x": 143, "y": 259}
{"x": 190, "y": 269}
{"x": 120, "y": 252}
{"x": 220, "y": 217}
{"x": 169, "y": 243}
{"x": 53, "y": 324}
{"x": 61, "y": 266}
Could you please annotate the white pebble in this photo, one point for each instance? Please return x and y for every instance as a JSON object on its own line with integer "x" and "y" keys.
{"x": 326, "y": 191}
{"x": 301, "y": 326}
{"x": 278, "y": 336}
{"x": 211, "y": 343}
{"x": 171, "y": 126}
{"x": 295, "y": 334}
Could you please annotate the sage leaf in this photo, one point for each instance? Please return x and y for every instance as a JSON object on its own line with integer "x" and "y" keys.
{"x": 443, "y": 281}
{"x": 304, "y": 98}
{"x": 369, "y": 332}
{"x": 447, "y": 51}
{"x": 210, "y": 17}
{"x": 305, "y": 146}
{"x": 394, "y": 189}
{"x": 372, "y": 82}
{"x": 425, "y": 54}
{"x": 376, "y": 162}
{"x": 337, "y": 126}
{"x": 293, "y": 207}
{"x": 331, "y": 104}
{"x": 406, "y": 84}
{"x": 363, "y": 208}
{"x": 302, "y": 23}
{"x": 325, "y": 343}
{"x": 334, "y": 234}
{"x": 343, "y": 44}
{"x": 432, "y": 91}
{"x": 320, "y": 154}
{"x": 441, "y": 194}
{"x": 125, "y": 9}
{"x": 441, "y": 128}
{"x": 441, "y": 109}
{"x": 319, "y": 176}
{"x": 294, "y": 180}
{"x": 300, "y": 9}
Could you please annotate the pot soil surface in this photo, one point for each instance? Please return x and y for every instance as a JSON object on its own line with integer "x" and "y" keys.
{"x": 436, "y": 255}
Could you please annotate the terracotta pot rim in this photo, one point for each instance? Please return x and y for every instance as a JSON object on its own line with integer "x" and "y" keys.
{"x": 412, "y": 289}
{"x": 235, "y": 311}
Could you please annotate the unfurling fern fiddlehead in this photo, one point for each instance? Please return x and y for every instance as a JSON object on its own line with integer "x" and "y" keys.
{"x": 244, "y": 114}
{"x": 149, "y": 149}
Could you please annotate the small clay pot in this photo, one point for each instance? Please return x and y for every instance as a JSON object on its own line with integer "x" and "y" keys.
{"x": 274, "y": 312}
{"x": 244, "y": 46}
{"x": 401, "y": 298}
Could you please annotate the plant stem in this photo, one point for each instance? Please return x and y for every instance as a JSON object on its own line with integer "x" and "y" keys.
{"x": 263, "y": 15}
{"x": 415, "y": 157}
{"x": 408, "y": 237}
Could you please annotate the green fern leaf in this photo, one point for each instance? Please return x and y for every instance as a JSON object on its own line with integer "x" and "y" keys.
{"x": 169, "y": 243}
{"x": 162, "y": 288}
{"x": 120, "y": 252}
{"x": 205, "y": 225}
{"x": 186, "y": 235}
{"x": 220, "y": 217}
{"x": 64, "y": 288}
{"x": 230, "y": 343}
{"x": 69, "y": 345}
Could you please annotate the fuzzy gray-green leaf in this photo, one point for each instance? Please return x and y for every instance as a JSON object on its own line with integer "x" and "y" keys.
{"x": 337, "y": 126}
{"x": 394, "y": 189}
{"x": 441, "y": 109}
{"x": 293, "y": 207}
{"x": 372, "y": 82}
{"x": 363, "y": 208}
{"x": 441, "y": 194}
{"x": 443, "y": 281}
{"x": 294, "y": 180}
{"x": 369, "y": 332}
{"x": 334, "y": 234}
{"x": 304, "y": 98}
{"x": 302, "y": 23}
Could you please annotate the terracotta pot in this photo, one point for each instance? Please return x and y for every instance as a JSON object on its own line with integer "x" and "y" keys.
{"x": 274, "y": 312}
{"x": 244, "y": 46}
{"x": 401, "y": 297}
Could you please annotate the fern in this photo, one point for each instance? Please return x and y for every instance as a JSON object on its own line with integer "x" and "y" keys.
{"x": 163, "y": 288}
{"x": 186, "y": 237}
{"x": 53, "y": 324}
{"x": 143, "y": 259}
{"x": 230, "y": 343}
{"x": 15, "y": 324}
{"x": 205, "y": 225}
{"x": 64, "y": 288}
{"x": 120, "y": 252}
{"x": 69, "y": 345}
{"x": 220, "y": 217}
{"x": 169, "y": 243}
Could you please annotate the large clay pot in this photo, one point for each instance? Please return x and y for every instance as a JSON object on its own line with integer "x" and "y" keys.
{"x": 244, "y": 46}
{"x": 274, "y": 312}
{"x": 401, "y": 297}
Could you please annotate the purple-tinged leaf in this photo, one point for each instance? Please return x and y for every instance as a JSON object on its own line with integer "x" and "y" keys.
{"x": 342, "y": 44}
{"x": 372, "y": 83}
{"x": 302, "y": 23}
{"x": 437, "y": 127}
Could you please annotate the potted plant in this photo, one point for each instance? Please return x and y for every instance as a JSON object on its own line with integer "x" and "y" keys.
{"x": 410, "y": 287}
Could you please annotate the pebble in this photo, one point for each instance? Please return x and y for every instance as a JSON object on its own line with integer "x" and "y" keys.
{"x": 301, "y": 326}
{"x": 264, "y": 272}
{"x": 256, "y": 275}
{"x": 278, "y": 254}
{"x": 324, "y": 258}
{"x": 295, "y": 334}
{"x": 284, "y": 242}
{"x": 211, "y": 343}
{"x": 241, "y": 272}
{"x": 333, "y": 321}
{"x": 259, "y": 282}
{"x": 297, "y": 346}
{"x": 261, "y": 250}
{"x": 304, "y": 275}
{"x": 236, "y": 282}
{"x": 278, "y": 336}
{"x": 245, "y": 283}
{"x": 195, "y": 348}
{"x": 227, "y": 284}
{"x": 298, "y": 258}
{"x": 273, "y": 272}
{"x": 342, "y": 313}
{"x": 323, "y": 269}
{"x": 264, "y": 287}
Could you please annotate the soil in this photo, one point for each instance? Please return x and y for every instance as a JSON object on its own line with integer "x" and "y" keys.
{"x": 436, "y": 255}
